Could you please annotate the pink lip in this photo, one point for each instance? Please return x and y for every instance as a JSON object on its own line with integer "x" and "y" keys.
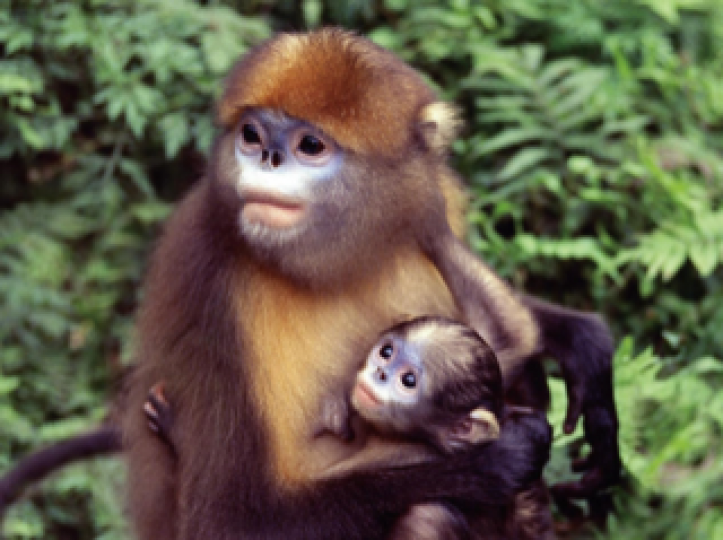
{"x": 273, "y": 209}
{"x": 270, "y": 198}
{"x": 366, "y": 396}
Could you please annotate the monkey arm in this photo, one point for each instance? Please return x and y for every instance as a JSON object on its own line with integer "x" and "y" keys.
{"x": 105, "y": 440}
{"x": 489, "y": 305}
{"x": 335, "y": 417}
{"x": 524, "y": 327}
{"x": 365, "y": 503}
{"x": 583, "y": 345}
{"x": 520, "y": 328}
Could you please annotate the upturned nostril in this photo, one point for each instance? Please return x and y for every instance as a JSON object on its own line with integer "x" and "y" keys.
{"x": 276, "y": 158}
{"x": 264, "y": 156}
{"x": 381, "y": 375}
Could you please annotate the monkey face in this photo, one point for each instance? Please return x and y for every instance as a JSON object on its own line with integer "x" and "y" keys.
{"x": 389, "y": 389}
{"x": 332, "y": 155}
{"x": 316, "y": 211}
{"x": 281, "y": 163}
{"x": 431, "y": 378}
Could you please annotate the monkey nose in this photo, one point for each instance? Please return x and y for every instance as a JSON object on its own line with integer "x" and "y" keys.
{"x": 272, "y": 158}
{"x": 380, "y": 375}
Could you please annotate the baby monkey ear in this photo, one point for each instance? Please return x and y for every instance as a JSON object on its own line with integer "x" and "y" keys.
{"x": 477, "y": 427}
{"x": 439, "y": 125}
{"x": 484, "y": 426}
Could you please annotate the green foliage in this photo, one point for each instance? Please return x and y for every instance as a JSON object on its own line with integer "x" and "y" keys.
{"x": 593, "y": 150}
{"x": 100, "y": 101}
{"x": 593, "y": 154}
{"x": 670, "y": 440}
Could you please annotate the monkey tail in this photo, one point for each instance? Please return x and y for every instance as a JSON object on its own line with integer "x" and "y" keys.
{"x": 105, "y": 440}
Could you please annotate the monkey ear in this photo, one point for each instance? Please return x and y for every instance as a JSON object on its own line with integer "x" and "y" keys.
{"x": 477, "y": 427}
{"x": 439, "y": 125}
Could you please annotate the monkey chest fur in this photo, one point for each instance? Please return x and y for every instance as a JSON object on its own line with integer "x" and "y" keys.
{"x": 305, "y": 345}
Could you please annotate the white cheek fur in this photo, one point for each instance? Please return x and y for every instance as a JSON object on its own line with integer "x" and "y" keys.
{"x": 386, "y": 392}
{"x": 290, "y": 179}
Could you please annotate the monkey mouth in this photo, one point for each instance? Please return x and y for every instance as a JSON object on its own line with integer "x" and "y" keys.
{"x": 364, "y": 397}
{"x": 272, "y": 209}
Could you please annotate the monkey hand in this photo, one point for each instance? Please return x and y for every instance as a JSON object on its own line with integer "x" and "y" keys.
{"x": 336, "y": 419}
{"x": 600, "y": 468}
{"x": 525, "y": 443}
{"x": 159, "y": 413}
{"x": 583, "y": 346}
{"x": 590, "y": 395}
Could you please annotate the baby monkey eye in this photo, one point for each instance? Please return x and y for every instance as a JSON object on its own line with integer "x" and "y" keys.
{"x": 311, "y": 146}
{"x": 250, "y": 134}
{"x": 386, "y": 351}
{"x": 409, "y": 380}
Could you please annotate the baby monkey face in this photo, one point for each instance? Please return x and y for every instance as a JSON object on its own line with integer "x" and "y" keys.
{"x": 391, "y": 383}
{"x": 434, "y": 379}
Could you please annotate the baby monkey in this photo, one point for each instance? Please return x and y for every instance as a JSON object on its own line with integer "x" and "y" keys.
{"x": 431, "y": 379}
{"x": 434, "y": 380}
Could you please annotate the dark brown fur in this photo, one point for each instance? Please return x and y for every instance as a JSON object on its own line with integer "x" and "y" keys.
{"x": 105, "y": 440}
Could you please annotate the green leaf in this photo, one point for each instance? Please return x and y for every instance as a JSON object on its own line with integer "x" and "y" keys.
{"x": 8, "y": 384}
{"x": 30, "y": 134}
{"x": 176, "y": 132}
{"x": 510, "y": 138}
{"x": 704, "y": 257}
{"x": 523, "y": 160}
{"x": 136, "y": 173}
{"x": 151, "y": 212}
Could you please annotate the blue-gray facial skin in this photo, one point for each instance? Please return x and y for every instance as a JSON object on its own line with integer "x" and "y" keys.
{"x": 390, "y": 383}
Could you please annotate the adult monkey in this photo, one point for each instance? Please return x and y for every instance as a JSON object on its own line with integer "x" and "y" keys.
{"x": 316, "y": 229}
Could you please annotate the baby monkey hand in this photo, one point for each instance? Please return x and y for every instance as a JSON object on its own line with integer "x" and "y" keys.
{"x": 336, "y": 419}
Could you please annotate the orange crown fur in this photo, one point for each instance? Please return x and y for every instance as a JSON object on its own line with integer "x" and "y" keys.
{"x": 367, "y": 99}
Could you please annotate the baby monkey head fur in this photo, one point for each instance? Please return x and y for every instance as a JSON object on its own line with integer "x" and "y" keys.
{"x": 332, "y": 150}
{"x": 435, "y": 379}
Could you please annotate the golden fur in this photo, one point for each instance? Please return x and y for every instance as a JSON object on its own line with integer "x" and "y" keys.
{"x": 299, "y": 341}
{"x": 360, "y": 94}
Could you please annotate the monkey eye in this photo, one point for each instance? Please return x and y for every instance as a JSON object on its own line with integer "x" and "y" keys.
{"x": 408, "y": 381}
{"x": 249, "y": 138}
{"x": 311, "y": 146}
{"x": 250, "y": 134}
{"x": 311, "y": 149}
{"x": 386, "y": 351}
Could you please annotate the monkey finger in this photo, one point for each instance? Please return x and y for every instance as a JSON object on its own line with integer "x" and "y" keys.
{"x": 566, "y": 507}
{"x": 150, "y": 410}
{"x": 152, "y": 416}
{"x": 574, "y": 411}
{"x": 158, "y": 391}
{"x": 158, "y": 412}
{"x": 601, "y": 505}
{"x": 588, "y": 485}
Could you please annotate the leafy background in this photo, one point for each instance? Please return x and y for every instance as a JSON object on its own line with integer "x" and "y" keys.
{"x": 593, "y": 156}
